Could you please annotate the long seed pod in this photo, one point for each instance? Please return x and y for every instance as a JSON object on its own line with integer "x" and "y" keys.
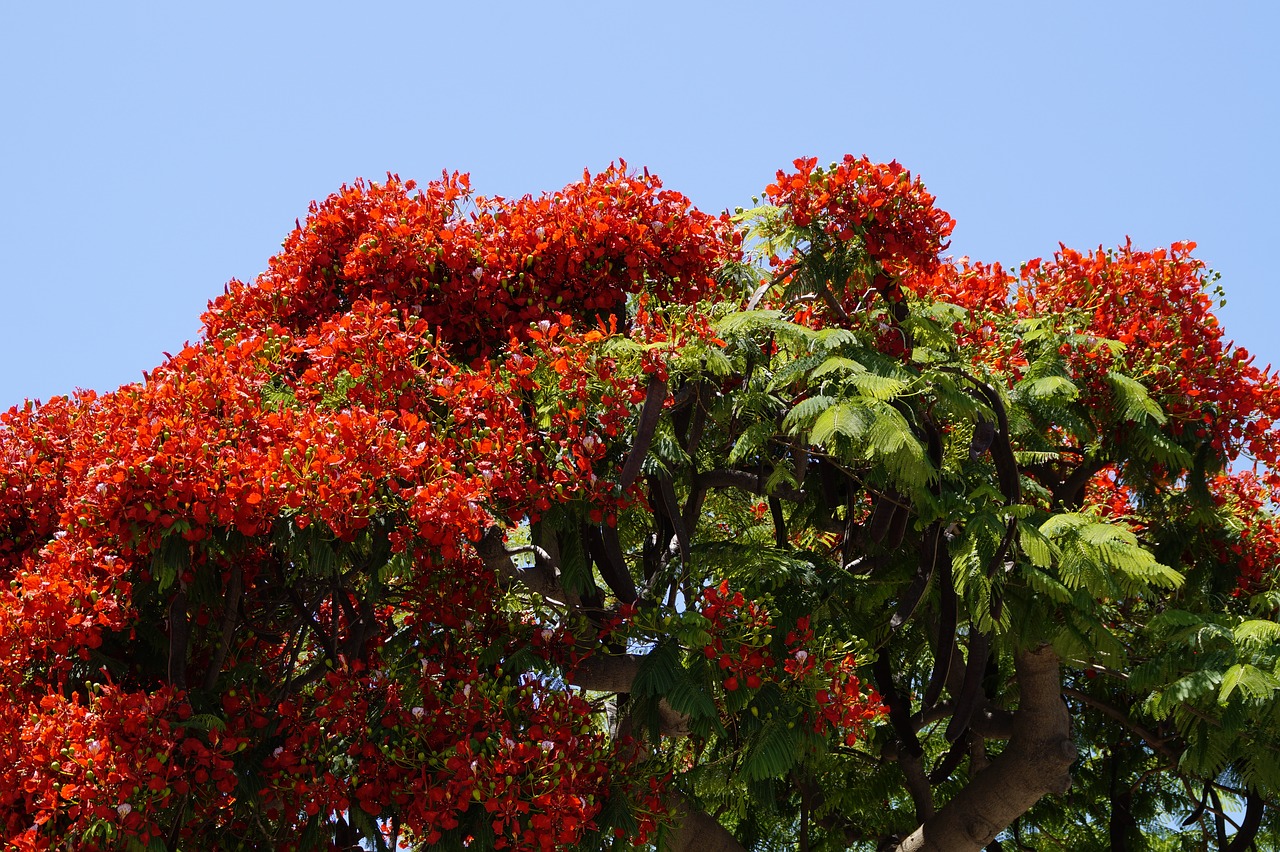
{"x": 971, "y": 693}
{"x": 649, "y": 414}
{"x": 947, "y": 614}
{"x": 881, "y": 520}
{"x": 949, "y": 761}
{"x": 780, "y": 537}
{"x": 920, "y": 582}
{"x": 899, "y": 707}
{"x": 606, "y": 549}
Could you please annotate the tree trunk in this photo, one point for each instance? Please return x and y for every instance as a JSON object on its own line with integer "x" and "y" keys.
{"x": 695, "y": 831}
{"x": 1035, "y": 762}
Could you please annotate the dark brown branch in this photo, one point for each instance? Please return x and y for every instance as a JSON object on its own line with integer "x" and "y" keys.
{"x": 539, "y": 578}
{"x": 1157, "y": 744}
{"x": 910, "y": 753}
{"x": 179, "y": 635}
{"x": 230, "y": 616}
{"x": 308, "y": 615}
{"x": 696, "y": 831}
{"x": 743, "y": 480}
{"x": 1070, "y": 492}
{"x": 606, "y": 549}
{"x": 770, "y": 283}
{"x": 649, "y": 414}
{"x": 988, "y": 722}
{"x": 672, "y": 507}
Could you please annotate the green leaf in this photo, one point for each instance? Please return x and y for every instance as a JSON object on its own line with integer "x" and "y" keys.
{"x": 746, "y": 321}
{"x": 1134, "y": 401}
{"x": 1036, "y": 546}
{"x": 1251, "y": 681}
{"x": 772, "y": 752}
{"x": 837, "y": 363}
{"x": 883, "y": 388}
{"x": 752, "y": 440}
{"x": 1054, "y": 388}
{"x": 691, "y": 698}
{"x": 805, "y": 412}
{"x": 840, "y": 419}
{"x": 205, "y": 722}
{"x": 1257, "y": 632}
{"x": 660, "y": 669}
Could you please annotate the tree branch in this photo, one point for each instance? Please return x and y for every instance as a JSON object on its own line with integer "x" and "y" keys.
{"x": 696, "y": 831}
{"x": 1156, "y": 744}
{"x": 1035, "y": 762}
{"x": 229, "y": 618}
{"x": 539, "y": 578}
{"x": 649, "y": 414}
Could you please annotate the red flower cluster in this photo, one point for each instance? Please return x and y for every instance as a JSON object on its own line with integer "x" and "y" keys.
{"x": 742, "y": 632}
{"x": 119, "y": 760}
{"x": 326, "y": 411}
{"x": 1155, "y": 304}
{"x": 878, "y": 203}
{"x": 747, "y": 626}
{"x": 480, "y": 279}
{"x": 1254, "y": 553}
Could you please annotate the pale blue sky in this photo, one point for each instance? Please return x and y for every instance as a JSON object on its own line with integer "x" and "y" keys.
{"x": 149, "y": 152}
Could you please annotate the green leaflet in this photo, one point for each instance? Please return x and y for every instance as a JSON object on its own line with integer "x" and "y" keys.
{"x": 1134, "y": 401}
{"x": 805, "y": 412}
{"x": 837, "y": 364}
{"x": 1256, "y": 632}
{"x": 1251, "y": 681}
{"x": 751, "y": 442}
{"x": 1056, "y": 389}
{"x": 883, "y": 388}
{"x": 660, "y": 669}
{"x": 1105, "y": 558}
{"x": 843, "y": 418}
{"x": 1189, "y": 688}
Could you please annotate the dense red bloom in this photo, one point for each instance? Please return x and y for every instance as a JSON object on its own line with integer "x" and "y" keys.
{"x": 878, "y": 203}
{"x": 482, "y": 278}
{"x": 1155, "y": 304}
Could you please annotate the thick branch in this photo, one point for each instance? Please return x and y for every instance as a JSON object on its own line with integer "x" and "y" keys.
{"x": 745, "y": 481}
{"x": 601, "y": 673}
{"x": 696, "y": 831}
{"x": 606, "y": 550}
{"x": 540, "y": 577}
{"x": 1035, "y": 762}
{"x": 649, "y": 414}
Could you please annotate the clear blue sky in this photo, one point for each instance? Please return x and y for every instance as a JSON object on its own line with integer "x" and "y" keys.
{"x": 150, "y": 152}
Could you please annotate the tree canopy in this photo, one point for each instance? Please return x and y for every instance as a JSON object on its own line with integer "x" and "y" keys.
{"x": 591, "y": 520}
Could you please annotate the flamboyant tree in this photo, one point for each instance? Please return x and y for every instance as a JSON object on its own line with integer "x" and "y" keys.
{"x": 591, "y": 520}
